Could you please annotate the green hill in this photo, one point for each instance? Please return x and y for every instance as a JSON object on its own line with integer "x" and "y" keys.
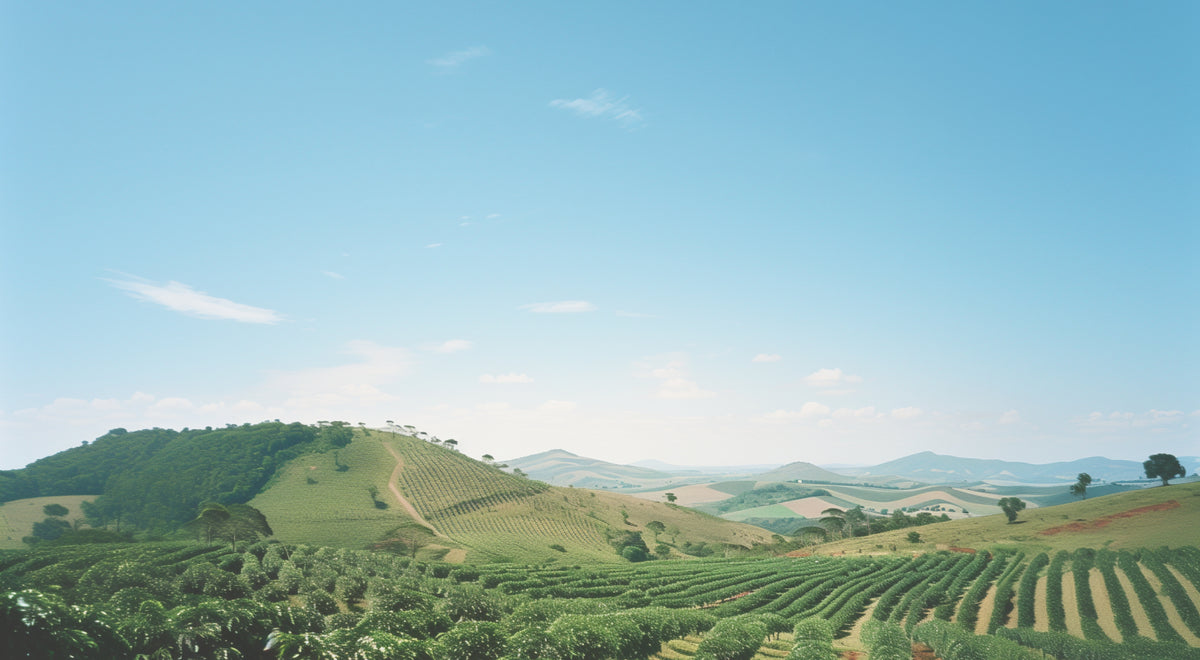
{"x": 562, "y": 468}
{"x": 474, "y": 511}
{"x": 1143, "y": 518}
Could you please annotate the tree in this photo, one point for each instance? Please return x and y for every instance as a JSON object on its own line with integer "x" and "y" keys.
{"x": 1163, "y": 466}
{"x": 671, "y": 497}
{"x": 1010, "y": 506}
{"x": 1079, "y": 488}
{"x": 834, "y": 520}
{"x": 55, "y": 510}
{"x": 914, "y": 537}
{"x": 236, "y": 522}
{"x": 657, "y": 527}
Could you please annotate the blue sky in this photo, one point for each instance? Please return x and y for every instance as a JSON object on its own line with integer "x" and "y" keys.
{"x": 703, "y": 233}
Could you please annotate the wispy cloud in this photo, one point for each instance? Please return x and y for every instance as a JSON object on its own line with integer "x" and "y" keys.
{"x": 560, "y": 307}
{"x": 452, "y": 346}
{"x": 433, "y": 245}
{"x": 453, "y": 60}
{"x": 767, "y": 357}
{"x": 907, "y": 413}
{"x": 832, "y": 381}
{"x": 330, "y": 273}
{"x": 675, "y": 382}
{"x": 602, "y": 105}
{"x": 186, "y": 300}
{"x": 505, "y": 379}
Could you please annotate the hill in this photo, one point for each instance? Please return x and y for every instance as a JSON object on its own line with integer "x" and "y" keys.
{"x": 1141, "y": 518}
{"x": 929, "y": 467}
{"x": 471, "y": 510}
{"x": 562, "y": 468}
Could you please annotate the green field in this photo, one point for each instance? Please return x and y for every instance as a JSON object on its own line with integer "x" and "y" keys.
{"x": 17, "y": 517}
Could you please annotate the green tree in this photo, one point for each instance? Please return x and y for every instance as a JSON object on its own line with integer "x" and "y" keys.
{"x": 55, "y": 510}
{"x": 1165, "y": 467}
{"x": 914, "y": 537}
{"x": 671, "y": 498}
{"x": 834, "y": 520}
{"x": 236, "y": 522}
{"x": 1011, "y": 506}
{"x": 657, "y": 527}
{"x": 1079, "y": 488}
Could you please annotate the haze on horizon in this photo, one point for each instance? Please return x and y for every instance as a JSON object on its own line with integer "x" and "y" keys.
{"x": 722, "y": 234}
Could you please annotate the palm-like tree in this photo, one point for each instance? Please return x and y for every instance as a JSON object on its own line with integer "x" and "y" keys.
{"x": 834, "y": 520}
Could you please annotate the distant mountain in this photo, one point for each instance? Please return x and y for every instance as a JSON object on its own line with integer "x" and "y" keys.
{"x": 938, "y": 468}
{"x": 713, "y": 470}
{"x": 562, "y": 468}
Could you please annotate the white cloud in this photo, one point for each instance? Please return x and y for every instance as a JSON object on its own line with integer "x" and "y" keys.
{"x": 353, "y": 384}
{"x": 453, "y": 60}
{"x": 186, "y": 300}
{"x": 1010, "y": 417}
{"x": 503, "y": 379}
{"x": 452, "y": 346}
{"x": 602, "y": 105}
{"x": 492, "y": 216}
{"x": 674, "y": 381}
{"x": 767, "y": 357}
{"x": 561, "y": 307}
{"x": 433, "y": 245}
{"x": 826, "y": 379}
{"x": 810, "y": 410}
{"x": 906, "y": 413}
{"x": 553, "y": 406}
{"x": 1153, "y": 420}
{"x": 330, "y": 273}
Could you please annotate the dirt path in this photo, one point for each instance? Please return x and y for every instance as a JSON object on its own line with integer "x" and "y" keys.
{"x": 1139, "y": 613}
{"x": 404, "y": 503}
{"x": 1104, "y": 611}
{"x": 1041, "y": 615}
{"x": 854, "y": 638}
{"x": 1071, "y": 605}
{"x": 1173, "y": 617}
{"x": 986, "y": 606}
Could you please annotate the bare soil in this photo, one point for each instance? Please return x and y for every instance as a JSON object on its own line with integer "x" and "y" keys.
{"x": 986, "y": 606}
{"x": 1104, "y": 521}
{"x": 1041, "y": 616}
{"x": 1071, "y": 605}
{"x": 1139, "y": 614}
{"x": 1104, "y": 610}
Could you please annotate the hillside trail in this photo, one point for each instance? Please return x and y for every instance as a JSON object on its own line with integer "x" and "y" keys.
{"x": 1070, "y": 601}
{"x": 404, "y": 503}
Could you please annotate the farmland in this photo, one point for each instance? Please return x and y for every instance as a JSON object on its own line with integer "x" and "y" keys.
{"x": 337, "y": 598}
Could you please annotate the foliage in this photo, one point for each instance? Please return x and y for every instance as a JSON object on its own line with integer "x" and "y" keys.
{"x": 1163, "y": 466}
{"x": 813, "y": 640}
{"x": 1079, "y": 488}
{"x": 1011, "y": 506}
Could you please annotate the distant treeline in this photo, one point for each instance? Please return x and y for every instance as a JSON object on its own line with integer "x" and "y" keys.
{"x": 767, "y": 495}
{"x": 157, "y": 479}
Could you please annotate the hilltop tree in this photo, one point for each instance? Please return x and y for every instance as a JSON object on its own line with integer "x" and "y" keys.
{"x": 1079, "y": 488}
{"x": 1011, "y": 506}
{"x": 1165, "y": 467}
{"x": 671, "y": 498}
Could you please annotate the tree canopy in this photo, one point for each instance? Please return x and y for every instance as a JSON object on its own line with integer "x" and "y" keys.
{"x": 1079, "y": 488}
{"x": 1165, "y": 467}
{"x": 1011, "y": 506}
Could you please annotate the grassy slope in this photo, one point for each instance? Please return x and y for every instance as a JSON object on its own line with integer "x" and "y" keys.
{"x": 337, "y": 510}
{"x": 17, "y": 517}
{"x": 1171, "y": 527}
{"x": 495, "y": 516}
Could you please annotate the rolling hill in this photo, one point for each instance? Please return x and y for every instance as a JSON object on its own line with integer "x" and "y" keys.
{"x": 932, "y": 468}
{"x": 562, "y": 468}
{"x": 1139, "y": 518}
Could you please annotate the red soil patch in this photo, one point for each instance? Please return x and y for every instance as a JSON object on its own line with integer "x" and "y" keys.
{"x": 850, "y": 655}
{"x": 798, "y": 553}
{"x": 1104, "y": 521}
{"x": 969, "y": 551}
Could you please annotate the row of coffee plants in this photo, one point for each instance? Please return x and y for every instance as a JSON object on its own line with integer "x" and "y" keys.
{"x": 196, "y": 601}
